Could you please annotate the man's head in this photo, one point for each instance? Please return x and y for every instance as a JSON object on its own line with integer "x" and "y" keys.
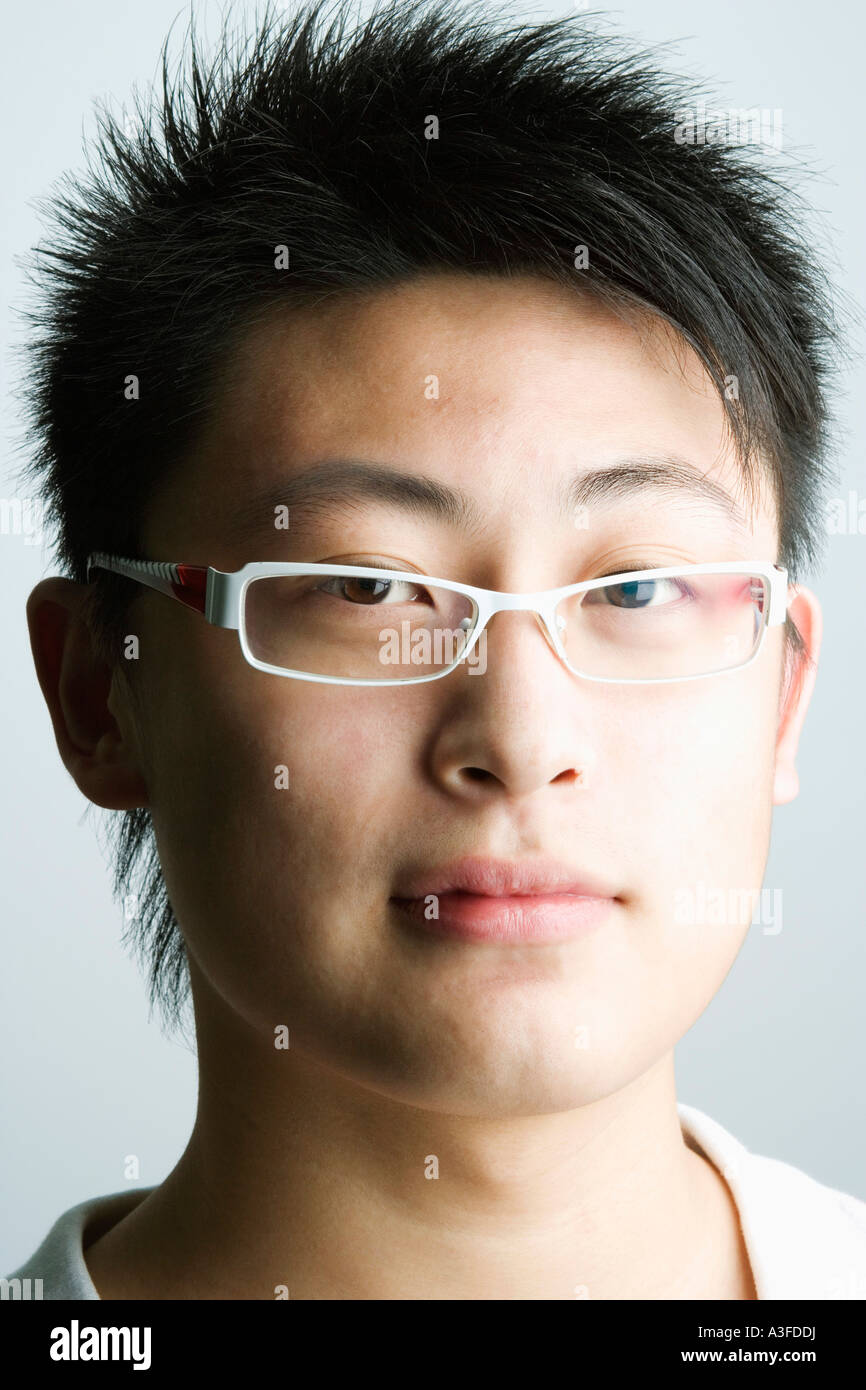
{"x": 409, "y": 259}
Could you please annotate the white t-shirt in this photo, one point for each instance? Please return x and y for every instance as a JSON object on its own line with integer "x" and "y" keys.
{"x": 804, "y": 1240}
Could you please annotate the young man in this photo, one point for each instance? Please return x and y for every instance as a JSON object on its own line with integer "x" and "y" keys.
{"x": 444, "y": 300}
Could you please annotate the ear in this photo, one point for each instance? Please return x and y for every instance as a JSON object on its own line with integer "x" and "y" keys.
{"x": 89, "y": 709}
{"x": 797, "y": 685}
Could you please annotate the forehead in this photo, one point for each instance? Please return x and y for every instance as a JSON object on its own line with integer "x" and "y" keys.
{"x": 498, "y": 387}
{"x": 477, "y": 353}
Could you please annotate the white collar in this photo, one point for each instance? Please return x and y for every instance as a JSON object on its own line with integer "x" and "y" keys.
{"x": 803, "y": 1239}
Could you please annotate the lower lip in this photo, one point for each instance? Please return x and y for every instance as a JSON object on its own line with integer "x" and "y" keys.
{"x": 535, "y": 918}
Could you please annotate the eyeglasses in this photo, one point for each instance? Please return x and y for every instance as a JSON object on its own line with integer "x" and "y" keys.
{"x": 359, "y": 625}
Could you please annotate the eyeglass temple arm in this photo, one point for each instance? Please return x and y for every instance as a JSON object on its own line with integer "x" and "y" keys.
{"x": 186, "y": 583}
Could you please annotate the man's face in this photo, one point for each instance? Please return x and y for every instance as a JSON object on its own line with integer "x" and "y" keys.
{"x": 284, "y": 893}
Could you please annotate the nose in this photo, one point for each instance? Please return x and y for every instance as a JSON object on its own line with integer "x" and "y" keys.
{"x": 518, "y": 726}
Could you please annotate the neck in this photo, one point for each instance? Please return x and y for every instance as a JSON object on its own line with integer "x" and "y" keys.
{"x": 296, "y": 1178}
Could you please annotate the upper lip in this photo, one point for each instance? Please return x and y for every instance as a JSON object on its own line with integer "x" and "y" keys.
{"x": 503, "y": 878}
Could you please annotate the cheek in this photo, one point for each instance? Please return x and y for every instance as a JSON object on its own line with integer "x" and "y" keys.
{"x": 229, "y": 746}
{"x": 698, "y": 768}
{"x": 271, "y": 803}
{"x": 696, "y": 763}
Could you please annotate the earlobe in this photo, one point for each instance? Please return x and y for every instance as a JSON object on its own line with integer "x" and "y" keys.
{"x": 98, "y": 751}
{"x": 796, "y": 692}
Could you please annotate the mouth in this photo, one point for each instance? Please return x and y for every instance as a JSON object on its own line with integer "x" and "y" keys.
{"x": 478, "y": 898}
{"x": 518, "y": 918}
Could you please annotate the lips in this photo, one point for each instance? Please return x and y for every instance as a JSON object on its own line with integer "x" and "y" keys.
{"x": 506, "y": 902}
{"x": 503, "y": 878}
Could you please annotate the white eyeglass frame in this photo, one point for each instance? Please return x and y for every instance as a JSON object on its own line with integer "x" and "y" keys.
{"x": 220, "y": 596}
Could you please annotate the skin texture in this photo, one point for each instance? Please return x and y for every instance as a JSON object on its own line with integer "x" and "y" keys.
{"x": 561, "y": 1168}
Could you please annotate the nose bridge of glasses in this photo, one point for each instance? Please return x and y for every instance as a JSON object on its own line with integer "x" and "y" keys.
{"x": 542, "y": 605}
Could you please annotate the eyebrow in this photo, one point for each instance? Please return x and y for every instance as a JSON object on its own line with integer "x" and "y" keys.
{"x": 344, "y": 483}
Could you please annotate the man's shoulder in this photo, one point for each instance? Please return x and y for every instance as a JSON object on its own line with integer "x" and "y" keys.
{"x": 805, "y": 1238}
{"x": 57, "y": 1269}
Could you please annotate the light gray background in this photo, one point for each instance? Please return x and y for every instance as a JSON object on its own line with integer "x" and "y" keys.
{"x": 778, "y": 1055}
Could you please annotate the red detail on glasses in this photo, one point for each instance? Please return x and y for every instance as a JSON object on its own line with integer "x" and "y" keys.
{"x": 192, "y": 589}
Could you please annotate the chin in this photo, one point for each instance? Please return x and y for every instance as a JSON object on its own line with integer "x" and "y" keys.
{"x": 494, "y": 1081}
